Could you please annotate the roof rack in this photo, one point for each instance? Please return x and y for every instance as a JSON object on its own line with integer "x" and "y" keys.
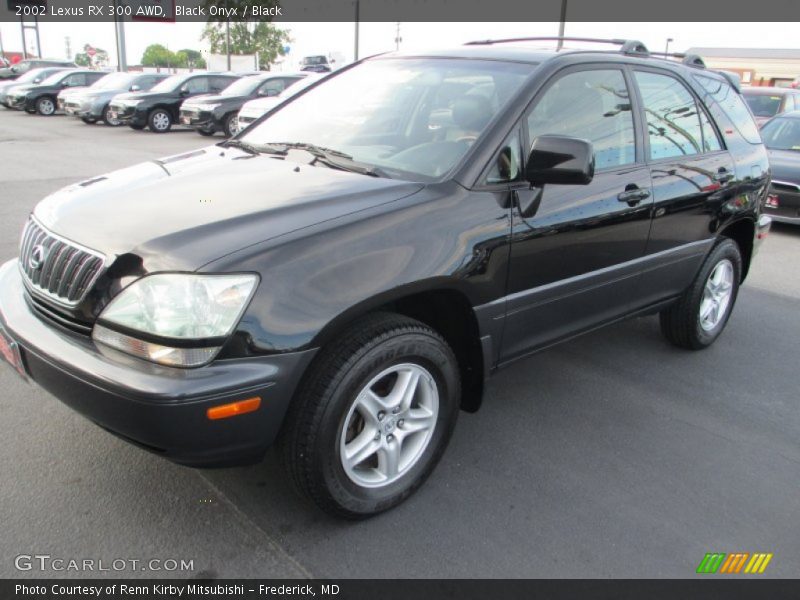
{"x": 690, "y": 60}
{"x": 634, "y": 47}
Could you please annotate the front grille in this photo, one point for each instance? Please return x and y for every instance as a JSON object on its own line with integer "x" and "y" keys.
{"x": 56, "y": 267}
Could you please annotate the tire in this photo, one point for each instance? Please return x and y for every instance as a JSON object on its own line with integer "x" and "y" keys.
{"x": 46, "y": 106}
{"x": 136, "y": 127}
{"x": 159, "y": 120}
{"x": 699, "y": 316}
{"x": 205, "y": 132}
{"x": 89, "y": 120}
{"x": 107, "y": 119}
{"x": 377, "y": 354}
{"x": 231, "y": 124}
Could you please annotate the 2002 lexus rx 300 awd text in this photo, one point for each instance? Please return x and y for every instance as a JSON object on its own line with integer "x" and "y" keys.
{"x": 342, "y": 276}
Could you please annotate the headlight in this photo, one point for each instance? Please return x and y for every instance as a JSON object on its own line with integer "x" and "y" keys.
{"x": 175, "y": 319}
{"x": 208, "y": 107}
{"x": 131, "y": 103}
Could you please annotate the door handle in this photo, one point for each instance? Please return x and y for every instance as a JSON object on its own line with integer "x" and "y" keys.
{"x": 633, "y": 195}
{"x": 723, "y": 175}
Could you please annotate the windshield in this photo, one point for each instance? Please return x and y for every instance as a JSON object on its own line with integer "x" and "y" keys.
{"x": 763, "y": 105}
{"x": 55, "y": 78}
{"x": 115, "y": 81}
{"x": 314, "y": 60}
{"x": 243, "y": 86}
{"x": 418, "y": 117}
{"x": 170, "y": 83}
{"x": 31, "y": 75}
{"x": 782, "y": 134}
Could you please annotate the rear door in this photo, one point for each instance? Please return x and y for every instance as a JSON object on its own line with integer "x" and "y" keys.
{"x": 692, "y": 174}
{"x": 574, "y": 260}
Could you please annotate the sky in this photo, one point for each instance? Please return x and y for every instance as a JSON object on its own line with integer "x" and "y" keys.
{"x": 326, "y": 38}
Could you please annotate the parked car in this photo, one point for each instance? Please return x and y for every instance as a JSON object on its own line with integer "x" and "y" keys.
{"x": 254, "y": 109}
{"x": 781, "y": 136}
{"x": 23, "y": 66}
{"x": 210, "y": 113}
{"x": 766, "y": 102}
{"x": 31, "y": 77}
{"x": 93, "y": 104}
{"x": 315, "y": 64}
{"x": 158, "y": 109}
{"x": 41, "y": 97}
{"x": 342, "y": 277}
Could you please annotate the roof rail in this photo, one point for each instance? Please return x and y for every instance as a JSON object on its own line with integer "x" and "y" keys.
{"x": 690, "y": 60}
{"x": 626, "y": 46}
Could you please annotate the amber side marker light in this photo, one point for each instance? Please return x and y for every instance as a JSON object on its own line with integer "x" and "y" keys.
{"x": 234, "y": 408}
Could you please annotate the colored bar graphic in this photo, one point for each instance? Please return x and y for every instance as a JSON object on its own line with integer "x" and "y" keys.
{"x": 720, "y": 562}
{"x": 759, "y": 562}
{"x": 711, "y": 562}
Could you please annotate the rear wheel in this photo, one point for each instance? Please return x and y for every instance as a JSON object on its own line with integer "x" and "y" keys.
{"x": 108, "y": 119}
{"x": 372, "y": 417}
{"x": 699, "y": 316}
{"x": 160, "y": 121}
{"x": 45, "y": 106}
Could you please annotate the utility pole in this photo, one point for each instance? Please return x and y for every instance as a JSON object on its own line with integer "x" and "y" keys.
{"x": 227, "y": 35}
{"x": 68, "y": 47}
{"x": 666, "y": 48}
{"x": 561, "y": 24}
{"x": 355, "y": 50}
{"x": 397, "y": 38}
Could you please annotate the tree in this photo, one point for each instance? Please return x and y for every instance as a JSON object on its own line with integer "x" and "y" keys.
{"x": 156, "y": 55}
{"x": 249, "y": 37}
{"x": 193, "y": 58}
{"x": 100, "y": 58}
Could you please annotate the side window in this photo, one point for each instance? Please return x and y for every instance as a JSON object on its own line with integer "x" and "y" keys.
{"x": 731, "y": 103}
{"x": 673, "y": 124}
{"x": 95, "y": 77}
{"x": 198, "y": 85}
{"x": 711, "y": 141}
{"x": 796, "y": 102}
{"x": 592, "y": 105}
{"x": 273, "y": 87}
{"x": 507, "y": 165}
{"x": 78, "y": 79}
{"x": 220, "y": 83}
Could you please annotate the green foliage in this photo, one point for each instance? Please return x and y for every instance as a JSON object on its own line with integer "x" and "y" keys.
{"x": 249, "y": 37}
{"x": 82, "y": 59}
{"x": 156, "y": 55}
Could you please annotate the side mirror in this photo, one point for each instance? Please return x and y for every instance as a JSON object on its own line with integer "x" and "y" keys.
{"x": 15, "y": 69}
{"x": 560, "y": 159}
{"x": 135, "y": 87}
{"x": 184, "y": 92}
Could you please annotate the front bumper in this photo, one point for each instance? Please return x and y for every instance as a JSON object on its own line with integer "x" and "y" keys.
{"x": 129, "y": 115}
{"x": 16, "y": 102}
{"x": 161, "y": 409}
{"x": 199, "y": 120}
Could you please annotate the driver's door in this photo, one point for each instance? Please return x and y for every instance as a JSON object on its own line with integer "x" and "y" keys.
{"x": 573, "y": 262}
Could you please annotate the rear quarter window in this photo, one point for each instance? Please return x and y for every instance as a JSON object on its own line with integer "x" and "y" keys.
{"x": 732, "y": 104}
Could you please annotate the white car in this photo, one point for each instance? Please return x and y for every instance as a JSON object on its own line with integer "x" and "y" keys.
{"x": 253, "y": 109}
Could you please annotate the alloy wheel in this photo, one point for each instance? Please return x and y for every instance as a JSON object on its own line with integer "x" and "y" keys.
{"x": 717, "y": 295}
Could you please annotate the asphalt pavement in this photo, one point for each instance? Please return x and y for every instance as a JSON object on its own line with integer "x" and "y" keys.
{"x": 613, "y": 455}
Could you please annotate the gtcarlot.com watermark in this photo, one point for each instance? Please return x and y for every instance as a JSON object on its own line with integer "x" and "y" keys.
{"x": 58, "y": 564}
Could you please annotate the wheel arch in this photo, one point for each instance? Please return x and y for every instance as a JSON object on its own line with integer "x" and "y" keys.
{"x": 742, "y": 231}
{"x": 443, "y": 307}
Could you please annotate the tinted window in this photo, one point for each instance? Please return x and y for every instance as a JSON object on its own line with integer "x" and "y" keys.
{"x": 673, "y": 125}
{"x": 77, "y": 79}
{"x": 782, "y": 134}
{"x": 220, "y": 83}
{"x": 507, "y": 165}
{"x": 732, "y": 105}
{"x": 273, "y": 87}
{"x": 711, "y": 141}
{"x": 197, "y": 85}
{"x": 592, "y": 105}
{"x": 763, "y": 105}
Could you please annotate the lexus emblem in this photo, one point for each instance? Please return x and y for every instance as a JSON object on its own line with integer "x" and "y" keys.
{"x": 37, "y": 257}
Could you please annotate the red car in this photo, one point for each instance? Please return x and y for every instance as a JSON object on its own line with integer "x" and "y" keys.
{"x": 766, "y": 102}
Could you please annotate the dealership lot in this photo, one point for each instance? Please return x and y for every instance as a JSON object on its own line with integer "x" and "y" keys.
{"x": 614, "y": 455}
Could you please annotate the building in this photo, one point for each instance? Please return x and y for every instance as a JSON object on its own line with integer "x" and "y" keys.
{"x": 755, "y": 66}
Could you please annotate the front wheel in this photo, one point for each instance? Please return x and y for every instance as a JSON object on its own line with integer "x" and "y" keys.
{"x": 108, "y": 119}
{"x": 699, "y": 316}
{"x": 373, "y": 416}
{"x": 232, "y": 124}
{"x": 45, "y": 106}
{"x": 160, "y": 121}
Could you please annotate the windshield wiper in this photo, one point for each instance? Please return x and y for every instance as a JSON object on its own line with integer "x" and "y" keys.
{"x": 252, "y": 148}
{"x": 334, "y": 159}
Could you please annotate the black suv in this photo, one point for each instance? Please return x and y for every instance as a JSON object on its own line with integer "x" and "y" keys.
{"x": 23, "y": 66}
{"x": 158, "y": 109}
{"x": 218, "y": 112}
{"x": 343, "y": 276}
{"x": 42, "y": 97}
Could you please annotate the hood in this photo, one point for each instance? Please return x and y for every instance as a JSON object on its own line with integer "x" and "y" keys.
{"x": 182, "y": 212}
{"x": 141, "y": 95}
{"x": 24, "y": 88}
{"x": 211, "y": 99}
{"x": 785, "y": 165}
